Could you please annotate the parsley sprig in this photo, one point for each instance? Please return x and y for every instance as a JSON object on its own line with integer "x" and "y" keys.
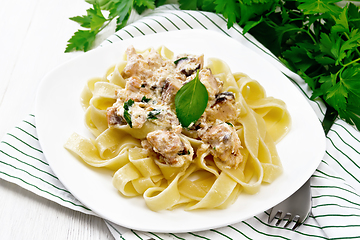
{"x": 318, "y": 40}
{"x": 95, "y": 21}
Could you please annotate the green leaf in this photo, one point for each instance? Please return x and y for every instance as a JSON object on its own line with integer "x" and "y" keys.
{"x": 299, "y": 57}
{"x": 350, "y": 117}
{"x": 336, "y": 96}
{"x": 230, "y": 124}
{"x": 311, "y": 82}
{"x": 350, "y": 45}
{"x": 207, "y": 5}
{"x": 326, "y": 44}
{"x": 159, "y": 3}
{"x": 100, "y": 2}
{"x": 341, "y": 23}
{"x": 324, "y": 60}
{"x": 145, "y": 99}
{"x": 319, "y": 6}
{"x": 84, "y": 20}
{"x": 97, "y": 18}
{"x": 350, "y": 78}
{"x": 229, "y": 9}
{"x": 188, "y": 5}
{"x": 250, "y": 24}
{"x": 191, "y": 101}
{"x": 152, "y": 114}
{"x": 326, "y": 82}
{"x": 81, "y": 40}
{"x": 141, "y": 5}
{"x": 353, "y": 15}
{"x": 353, "y": 104}
{"x": 146, "y": 3}
{"x": 250, "y": 12}
{"x": 128, "y": 104}
{"x": 121, "y": 9}
{"x": 178, "y": 60}
{"x": 127, "y": 115}
{"x": 249, "y": 2}
{"x": 93, "y": 20}
{"x": 331, "y": 45}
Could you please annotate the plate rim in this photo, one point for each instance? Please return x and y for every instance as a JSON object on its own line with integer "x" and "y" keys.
{"x": 114, "y": 45}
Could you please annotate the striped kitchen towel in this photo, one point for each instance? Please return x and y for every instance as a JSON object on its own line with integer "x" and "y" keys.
{"x": 335, "y": 185}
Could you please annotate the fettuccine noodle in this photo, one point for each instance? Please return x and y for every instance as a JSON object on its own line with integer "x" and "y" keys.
{"x": 230, "y": 149}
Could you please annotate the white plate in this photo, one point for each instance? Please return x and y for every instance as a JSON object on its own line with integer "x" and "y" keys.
{"x": 59, "y": 114}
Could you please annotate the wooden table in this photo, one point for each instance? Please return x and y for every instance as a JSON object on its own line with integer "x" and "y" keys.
{"x": 33, "y": 38}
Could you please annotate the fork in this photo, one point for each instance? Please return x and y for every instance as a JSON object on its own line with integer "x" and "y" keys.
{"x": 295, "y": 208}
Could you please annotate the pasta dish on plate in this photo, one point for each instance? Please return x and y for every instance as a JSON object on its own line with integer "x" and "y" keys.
{"x": 181, "y": 133}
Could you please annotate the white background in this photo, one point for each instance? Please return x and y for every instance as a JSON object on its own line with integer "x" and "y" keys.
{"x": 33, "y": 37}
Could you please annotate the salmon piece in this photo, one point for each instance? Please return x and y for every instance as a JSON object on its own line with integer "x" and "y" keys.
{"x": 170, "y": 89}
{"x": 213, "y": 85}
{"x": 169, "y": 147}
{"x": 154, "y": 60}
{"x": 188, "y": 65}
{"x": 113, "y": 118}
{"x": 223, "y": 109}
{"x": 136, "y": 65}
{"x": 135, "y": 89}
{"x": 224, "y": 144}
{"x": 138, "y": 115}
{"x": 133, "y": 84}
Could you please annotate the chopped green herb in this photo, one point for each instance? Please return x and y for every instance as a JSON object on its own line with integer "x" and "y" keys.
{"x": 228, "y": 123}
{"x": 128, "y": 104}
{"x": 184, "y": 152}
{"x": 127, "y": 115}
{"x": 152, "y": 114}
{"x": 145, "y": 100}
{"x": 178, "y": 60}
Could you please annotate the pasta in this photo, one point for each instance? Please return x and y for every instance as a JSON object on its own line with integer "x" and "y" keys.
{"x": 231, "y": 148}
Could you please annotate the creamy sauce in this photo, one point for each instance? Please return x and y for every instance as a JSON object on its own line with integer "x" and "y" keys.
{"x": 151, "y": 86}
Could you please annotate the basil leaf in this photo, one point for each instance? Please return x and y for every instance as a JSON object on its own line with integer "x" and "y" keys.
{"x": 191, "y": 101}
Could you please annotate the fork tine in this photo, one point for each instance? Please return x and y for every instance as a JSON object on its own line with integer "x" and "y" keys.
{"x": 283, "y": 216}
{"x": 299, "y": 203}
{"x": 274, "y": 214}
{"x": 280, "y": 216}
{"x": 289, "y": 219}
{"x": 278, "y": 221}
{"x": 298, "y": 223}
